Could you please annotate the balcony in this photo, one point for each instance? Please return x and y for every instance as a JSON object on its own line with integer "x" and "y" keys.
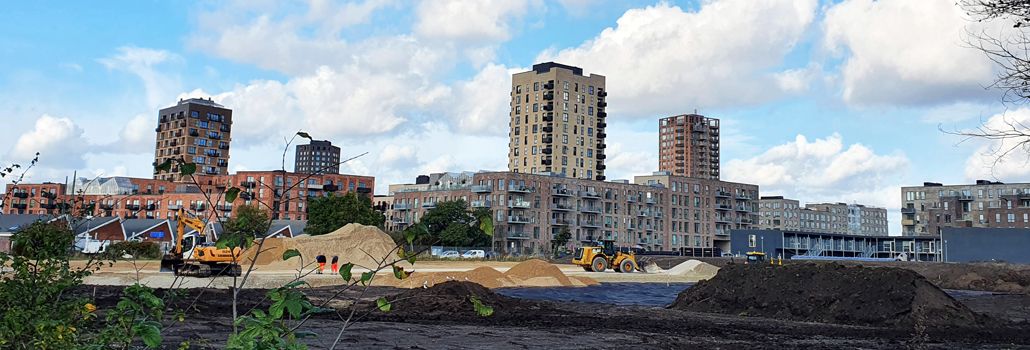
{"x": 907, "y": 210}
{"x": 480, "y": 204}
{"x": 744, "y": 197}
{"x": 600, "y": 167}
{"x": 519, "y": 188}
{"x": 21, "y": 195}
{"x": 590, "y": 194}
{"x": 602, "y": 104}
{"x": 399, "y": 221}
{"x": 602, "y": 125}
{"x": 517, "y": 219}
{"x": 150, "y": 207}
{"x": 20, "y": 205}
{"x": 601, "y": 156}
{"x": 198, "y": 207}
{"x": 402, "y": 206}
{"x": 743, "y": 209}
{"x": 519, "y": 204}
{"x": 908, "y": 222}
{"x": 517, "y": 235}
{"x": 601, "y": 146}
{"x": 214, "y": 136}
{"x": 547, "y": 139}
{"x": 548, "y": 117}
{"x": 224, "y": 128}
{"x": 723, "y": 220}
{"x": 631, "y": 199}
{"x": 225, "y": 147}
{"x": 132, "y": 207}
{"x": 590, "y": 223}
{"x": 601, "y": 135}
{"x": 247, "y": 184}
{"x": 649, "y": 200}
{"x": 194, "y": 133}
{"x": 107, "y": 206}
{"x": 721, "y": 232}
{"x": 481, "y": 188}
{"x": 429, "y": 204}
{"x": 560, "y": 222}
{"x": 174, "y": 207}
{"x": 546, "y": 150}
{"x": 546, "y": 162}
{"x": 602, "y": 114}
{"x": 548, "y": 96}
{"x": 561, "y": 192}
{"x": 965, "y": 197}
{"x": 642, "y": 213}
{"x": 602, "y": 93}
{"x": 549, "y": 86}
{"x": 723, "y": 194}
{"x": 600, "y": 178}
{"x": 561, "y": 207}
{"x": 549, "y": 107}
{"x": 590, "y": 209}
{"x": 745, "y": 221}
{"x": 48, "y": 205}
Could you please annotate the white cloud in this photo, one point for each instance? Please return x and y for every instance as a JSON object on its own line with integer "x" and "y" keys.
{"x": 481, "y": 104}
{"x": 578, "y": 7}
{"x": 143, "y": 62}
{"x": 59, "y": 142}
{"x": 137, "y": 136}
{"x": 954, "y": 112}
{"x": 662, "y": 60}
{"x": 470, "y": 21}
{"x": 822, "y": 170}
{"x": 1004, "y": 159}
{"x": 906, "y": 52}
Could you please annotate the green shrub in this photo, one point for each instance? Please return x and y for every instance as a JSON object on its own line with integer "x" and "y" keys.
{"x": 138, "y": 250}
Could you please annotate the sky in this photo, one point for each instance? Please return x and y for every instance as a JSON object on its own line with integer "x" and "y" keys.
{"x": 821, "y": 101}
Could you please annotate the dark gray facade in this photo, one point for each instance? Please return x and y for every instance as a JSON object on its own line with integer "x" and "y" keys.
{"x": 785, "y": 244}
{"x": 971, "y": 244}
{"x": 317, "y": 157}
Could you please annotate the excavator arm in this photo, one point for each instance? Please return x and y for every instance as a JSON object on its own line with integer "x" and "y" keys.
{"x": 180, "y": 231}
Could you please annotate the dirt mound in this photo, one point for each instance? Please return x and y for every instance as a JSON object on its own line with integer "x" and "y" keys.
{"x": 828, "y": 293}
{"x": 531, "y": 273}
{"x": 693, "y": 268}
{"x": 449, "y": 300}
{"x": 353, "y": 243}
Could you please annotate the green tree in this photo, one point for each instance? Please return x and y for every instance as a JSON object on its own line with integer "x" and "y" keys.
{"x": 249, "y": 222}
{"x": 451, "y": 223}
{"x": 329, "y": 213}
{"x": 561, "y": 239}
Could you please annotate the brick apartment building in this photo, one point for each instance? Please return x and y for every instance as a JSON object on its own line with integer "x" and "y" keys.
{"x": 317, "y": 157}
{"x": 196, "y": 130}
{"x": 158, "y": 199}
{"x": 688, "y": 145}
{"x": 927, "y": 209}
{"x": 656, "y": 212}
{"x": 778, "y": 213}
{"x": 557, "y": 122}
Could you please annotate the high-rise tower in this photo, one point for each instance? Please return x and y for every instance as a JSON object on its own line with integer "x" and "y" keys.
{"x": 196, "y": 130}
{"x": 688, "y": 145}
{"x": 557, "y": 122}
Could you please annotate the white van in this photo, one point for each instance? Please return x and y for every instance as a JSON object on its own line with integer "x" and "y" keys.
{"x": 474, "y": 254}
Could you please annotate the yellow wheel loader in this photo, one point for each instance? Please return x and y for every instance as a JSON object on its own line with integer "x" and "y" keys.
{"x": 599, "y": 257}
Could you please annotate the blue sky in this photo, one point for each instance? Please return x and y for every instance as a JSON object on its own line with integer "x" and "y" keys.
{"x": 820, "y": 101}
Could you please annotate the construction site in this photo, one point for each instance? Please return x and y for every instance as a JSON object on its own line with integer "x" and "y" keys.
{"x": 650, "y": 302}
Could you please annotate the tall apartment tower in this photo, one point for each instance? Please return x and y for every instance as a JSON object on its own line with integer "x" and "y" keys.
{"x": 688, "y": 145}
{"x": 196, "y": 130}
{"x": 317, "y": 157}
{"x": 557, "y": 122}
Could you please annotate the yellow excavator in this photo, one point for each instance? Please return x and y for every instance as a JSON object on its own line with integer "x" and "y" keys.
{"x": 191, "y": 257}
{"x": 600, "y": 256}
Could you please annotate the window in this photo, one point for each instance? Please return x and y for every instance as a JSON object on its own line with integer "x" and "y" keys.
{"x": 536, "y": 107}
{"x": 565, "y": 139}
{"x": 565, "y": 96}
{"x": 590, "y": 110}
{"x": 590, "y": 89}
{"x": 518, "y": 109}
{"x": 565, "y": 117}
{"x": 565, "y": 86}
{"x": 518, "y": 89}
{"x": 1012, "y": 217}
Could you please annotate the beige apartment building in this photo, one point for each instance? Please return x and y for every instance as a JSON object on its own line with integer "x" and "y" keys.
{"x": 196, "y": 130}
{"x": 659, "y": 212}
{"x": 557, "y": 122}
{"x": 778, "y": 213}
{"x": 926, "y": 209}
{"x": 688, "y": 145}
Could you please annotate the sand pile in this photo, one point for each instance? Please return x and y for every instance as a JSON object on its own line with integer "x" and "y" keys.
{"x": 449, "y": 300}
{"x": 693, "y": 268}
{"x": 653, "y": 267}
{"x": 350, "y": 243}
{"x": 828, "y": 293}
{"x": 531, "y": 273}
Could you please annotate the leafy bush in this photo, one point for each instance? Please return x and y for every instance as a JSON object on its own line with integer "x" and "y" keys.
{"x": 139, "y": 250}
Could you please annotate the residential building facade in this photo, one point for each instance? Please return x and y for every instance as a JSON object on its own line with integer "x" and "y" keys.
{"x": 557, "y": 122}
{"x": 927, "y": 209}
{"x": 778, "y": 213}
{"x": 688, "y": 145}
{"x": 133, "y": 198}
{"x": 659, "y": 212}
{"x": 317, "y": 157}
{"x": 196, "y": 130}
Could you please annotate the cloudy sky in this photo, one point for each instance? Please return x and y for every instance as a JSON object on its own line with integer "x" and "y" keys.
{"x": 819, "y": 100}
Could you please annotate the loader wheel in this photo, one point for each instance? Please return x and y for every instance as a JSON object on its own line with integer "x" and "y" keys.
{"x": 598, "y": 264}
{"x": 626, "y": 266}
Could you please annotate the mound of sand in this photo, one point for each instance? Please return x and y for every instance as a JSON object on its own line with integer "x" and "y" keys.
{"x": 828, "y": 293}
{"x": 531, "y": 273}
{"x": 652, "y": 267}
{"x": 693, "y": 268}
{"x": 350, "y": 243}
{"x": 449, "y": 300}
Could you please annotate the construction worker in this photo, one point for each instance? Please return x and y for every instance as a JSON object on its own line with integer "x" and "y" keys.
{"x": 320, "y": 259}
{"x": 336, "y": 266}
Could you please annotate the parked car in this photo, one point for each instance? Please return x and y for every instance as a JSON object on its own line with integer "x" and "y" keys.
{"x": 474, "y": 254}
{"x": 727, "y": 255}
{"x": 450, "y": 254}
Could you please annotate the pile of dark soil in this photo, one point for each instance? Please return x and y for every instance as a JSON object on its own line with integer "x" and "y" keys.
{"x": 450, "y": 300}
{"x": 828, "y": 293}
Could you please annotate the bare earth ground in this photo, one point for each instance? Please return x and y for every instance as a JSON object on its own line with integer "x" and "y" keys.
{"x": 568, "y": 325}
